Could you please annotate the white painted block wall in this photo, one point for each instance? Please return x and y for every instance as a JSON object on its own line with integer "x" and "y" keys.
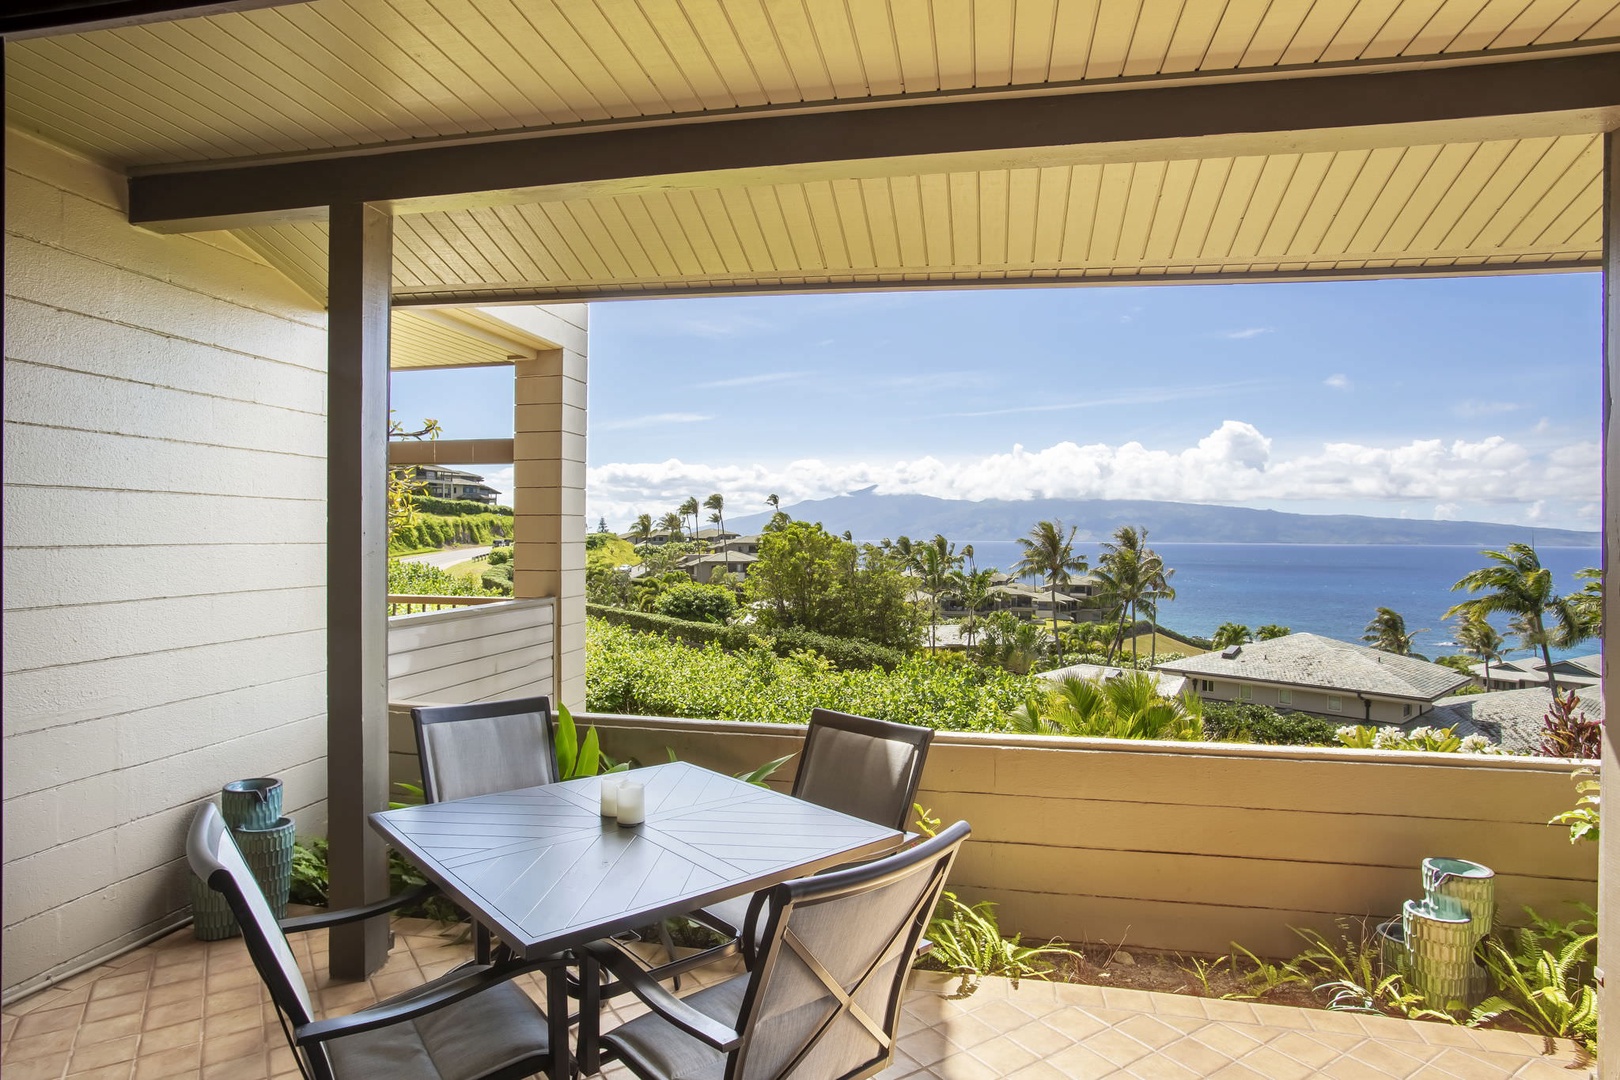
{"x": 164, "y": 582}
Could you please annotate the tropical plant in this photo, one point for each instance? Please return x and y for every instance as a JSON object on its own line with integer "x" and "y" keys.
{"x": 1480, "y": 639}
{"x": 673, "y": 526}
{"x": 1230, "y": 721}
{"x": 1435, "y": 740}
{"x": 578, "y": 757}
{"x": 1516, "y": 584}
{"x": 402, "y": 486}
{"x": 1122, "y": 576}
{"x": 972, "y": 588}
{"x": 935, "y": 564}
{"x": 1568, "y": 734}
{"x": 1588, "y": 603}
{"x": 689, "y": 509}
{"x": 967, "y": 942}
{"x": 1550, "y": 991}
{"x": 1007, "y": 642}
{"x": 1263, "y": 976}
{"x": 1583, "y": 820}
{"x": 1272, "y": 631}
{"x": 1203, "y": 971}
{"x": 1126, "y": 707}
{"x": 716, "y": 504}
{"x": 1352, "y": 976}
{"x": 1387, "y": 633}
{"x": 699, "y": 603}
{"x": 1048, "y": 553}
{"x": 642, "y": 529}
{"x": 1229, "y": 634}
{"x": 774, "y": 501}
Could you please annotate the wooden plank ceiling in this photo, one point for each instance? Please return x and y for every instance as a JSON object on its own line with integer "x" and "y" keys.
{"x": 337, "y": 75}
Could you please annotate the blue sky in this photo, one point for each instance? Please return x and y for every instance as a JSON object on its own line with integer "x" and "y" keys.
{"x": 1462, "y": 398}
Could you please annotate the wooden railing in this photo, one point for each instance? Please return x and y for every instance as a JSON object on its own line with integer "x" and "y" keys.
{"x": 406, "y": 604}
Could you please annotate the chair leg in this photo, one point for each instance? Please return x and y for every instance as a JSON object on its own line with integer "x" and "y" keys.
{"x": 669, "y": 946}
{"x": 481, "y": 943}
{"x": 590, "y": 1015}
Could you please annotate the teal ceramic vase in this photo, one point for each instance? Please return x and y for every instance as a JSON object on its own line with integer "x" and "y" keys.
{"x": 269, "y": 855}
{"x": 211, "y": 916}
{"x": 251, "y": 804}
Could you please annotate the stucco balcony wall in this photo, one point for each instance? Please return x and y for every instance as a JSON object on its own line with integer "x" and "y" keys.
{"x": 1193, "y": 846}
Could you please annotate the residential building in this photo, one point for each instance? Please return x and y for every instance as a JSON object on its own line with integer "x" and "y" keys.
{"x": 1321, "y": 675}
{"x": 1512, "y": 719}
{"x": 703, "y": 566}
{"x": 1576, "y": 671}
{"x": 1166, "y": 682}
{"x": 441, "y": 482}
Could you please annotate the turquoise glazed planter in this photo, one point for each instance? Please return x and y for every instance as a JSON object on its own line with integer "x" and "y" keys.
{"x": 1468, "y": 883}
{"x": 211, "y": 916}
{"x": 269, "y": 855}
{"x": 251, "y": 804}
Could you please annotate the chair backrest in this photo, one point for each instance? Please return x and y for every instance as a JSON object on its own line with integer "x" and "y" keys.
{"x": 862, "y": 767}
{"x": 824, "y": 995}
{"x": 215, "y": 858}
{"x": 485, "y": 747}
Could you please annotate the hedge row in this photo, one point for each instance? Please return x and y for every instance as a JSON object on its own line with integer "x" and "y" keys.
{"x": 436, "y": 531}
{"x": 427, "y": 504}
{"x": 846, "y": 654}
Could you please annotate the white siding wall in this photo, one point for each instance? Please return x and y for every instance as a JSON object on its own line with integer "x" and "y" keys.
{"x": 164, "y": 536}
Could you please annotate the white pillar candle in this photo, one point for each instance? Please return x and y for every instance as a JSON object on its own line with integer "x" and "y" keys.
{"x": 610, "y": 797}
{"x": 632, "y": 803}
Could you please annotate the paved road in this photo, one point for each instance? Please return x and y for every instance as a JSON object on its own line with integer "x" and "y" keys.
{"x": 447, "y": 557}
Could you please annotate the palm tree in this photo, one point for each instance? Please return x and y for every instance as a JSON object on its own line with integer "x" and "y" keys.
{"x": 717, "y": 503}
{"x": 1230, "y": 633}
{"x": 1476, "y": 635}
{"x": 1048, "y": 553}
{"x": 1271, "y": 631}
{"x": 642, "y": 530}
{"x": 1127, "y": 707}
{"x": 1123, "y": 573}
{"x": 1516, "y": 584}
{"x": 973, "y": 589}
{"x": 934, "y": 564}
{"x": 689, "y": 509}
{"x": 672, "y": 524}
{"x": 1387, "y": 633}
{"x": 1156, "y": 589}
{"x": 1588, "y": 603}
{"x": 774, "y": 501}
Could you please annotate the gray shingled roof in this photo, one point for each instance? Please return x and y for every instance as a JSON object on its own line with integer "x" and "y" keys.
{"x": 1510, "y": 718}
{"x": 1168, "y": 684}
{"x": 1313, "y": 661}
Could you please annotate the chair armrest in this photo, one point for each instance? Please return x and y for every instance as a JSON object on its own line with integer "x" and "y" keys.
{"x": 430, "y": 997}
{"x": 699, "y": 1025}
{"x": 321, "y": 921}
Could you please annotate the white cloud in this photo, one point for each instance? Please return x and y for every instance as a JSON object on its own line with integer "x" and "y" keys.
{"x": 1151, "y": 396}
{"x": 1234, "y": 464}
{"x": 653, "y": 420}
{"x": 751, "y": 380}
{"x": 1245, "y": 333}
{"x": 1337, "y": 381}
{"x": 1473, "y": 409}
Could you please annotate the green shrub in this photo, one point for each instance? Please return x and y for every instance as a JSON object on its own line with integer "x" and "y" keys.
{"x": 419, "y": 579}
{"x": 695, "y": 633}
{"x": 647, "y": 674}
{"x": 426, "y": 504}
{"x": 498, "y": 579}
{"x": 500, "y": 555}
{"x": 698, "y": 603}
{"x": 846, "y": 654}
{"x": 1233, "y": 722}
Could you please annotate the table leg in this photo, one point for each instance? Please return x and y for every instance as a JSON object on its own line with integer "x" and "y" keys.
{"x": 590, "y": 1015}
{"x": 562, "y": 1064}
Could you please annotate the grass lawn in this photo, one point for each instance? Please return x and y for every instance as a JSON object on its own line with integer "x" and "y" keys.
{"x": 1144, "y": 645}
{"x": 472, "y": 568}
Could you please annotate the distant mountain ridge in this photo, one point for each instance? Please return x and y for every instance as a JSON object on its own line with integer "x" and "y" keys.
{"x": 871, "y": 517}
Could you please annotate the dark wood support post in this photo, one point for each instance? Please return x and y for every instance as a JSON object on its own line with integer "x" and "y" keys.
{"x": 1609, "y": 845}
{"x": 360, "y": 266}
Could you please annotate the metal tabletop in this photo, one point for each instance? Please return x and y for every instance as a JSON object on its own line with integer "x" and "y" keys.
{"x": 542, "y": 868}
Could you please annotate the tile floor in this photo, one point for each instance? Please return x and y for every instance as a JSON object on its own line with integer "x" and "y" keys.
{"x": 181, "y": 1008}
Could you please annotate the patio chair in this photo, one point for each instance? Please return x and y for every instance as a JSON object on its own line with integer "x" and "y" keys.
{"x": 481, "y": 749}
{"x": 484, "y": 747}
{"x": 853, "y": 764}
{"x": 471, "y": 1024}
{"x": 823, "y": 998}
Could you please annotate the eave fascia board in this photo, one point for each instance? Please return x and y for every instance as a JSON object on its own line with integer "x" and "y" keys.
{"x": 24, "y": 19}
{"x": 1566, "y": 95}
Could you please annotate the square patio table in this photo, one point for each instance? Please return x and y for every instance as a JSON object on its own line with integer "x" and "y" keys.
{"x": 542, "y": 868}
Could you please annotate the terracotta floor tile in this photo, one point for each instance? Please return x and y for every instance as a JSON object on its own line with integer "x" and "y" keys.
{"x": 119, "y": 1071}
{"x": 1037, "y": 1036}
{"x": 50, "y": 1044}
{"x": 1004, "y": 1055}
{"x": 103, "y": 1054}
{"x": 164, "y": 1015}
{"x": 1148, "y": 1029}
{"x": 1201, "y": 1059}
{"x": 47, "y": 1020}
{"x": 239, "y": 1044}
{"x": 1117, "y": 1047}
{"x": 247, "y": 1068}
{"x": 1275, "y": 1065}
{"x": 188, "y": 1033}
{"x": 44, "y": 1067}
{"x": 1041, "y": 1070}
{"x": 114, "y": 985}
{"x": 180, "y": 1061}
{"x": 1081, "y": 1063}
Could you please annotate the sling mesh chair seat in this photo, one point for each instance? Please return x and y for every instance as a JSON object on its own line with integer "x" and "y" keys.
{"x": 471, "y": 1024}
{"x": 853, "y": 764}
{"x": 822, "y": 1001}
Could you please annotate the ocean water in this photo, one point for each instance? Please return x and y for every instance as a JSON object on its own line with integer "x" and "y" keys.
{"x": 1327, "y": 589}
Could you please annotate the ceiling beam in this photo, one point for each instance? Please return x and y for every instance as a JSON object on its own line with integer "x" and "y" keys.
{"x": 42, "y": 18}
{"x": 498, "y": 297}
{"x": 1568, "y": 95}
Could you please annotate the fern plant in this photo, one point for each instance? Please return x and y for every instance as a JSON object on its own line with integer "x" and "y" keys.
{"x": 1352, "y": 978}
{"x": 1583, "y": 820}
{"x": 968, "y": 942}
{"x": 1542, "y": 988}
